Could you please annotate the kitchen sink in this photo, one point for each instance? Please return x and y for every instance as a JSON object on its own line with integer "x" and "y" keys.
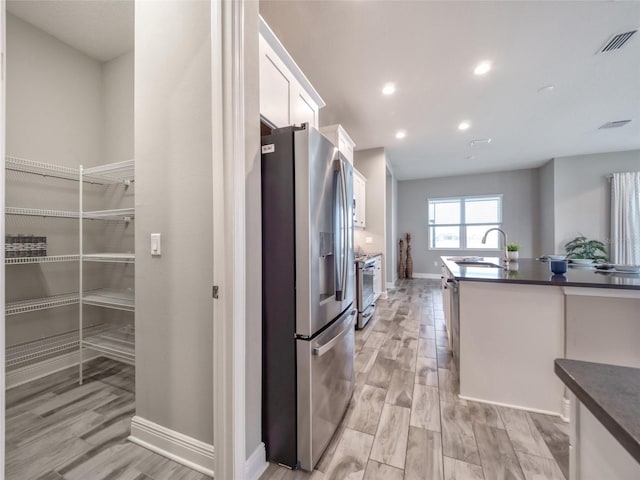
{"x": 478, "y": 264}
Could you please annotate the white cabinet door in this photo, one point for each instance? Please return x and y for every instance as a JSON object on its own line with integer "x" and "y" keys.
{"x": 275, "y": 87}
{"x": 286, "y": 96}
{"x": 360, "y": 194}
{"x": 303, "y": 109}
{"x": 341, "y": 139}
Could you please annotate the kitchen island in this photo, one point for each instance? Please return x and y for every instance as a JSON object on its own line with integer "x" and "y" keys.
{"x": 508, "y": 326}
{"x": 605, "y": 413}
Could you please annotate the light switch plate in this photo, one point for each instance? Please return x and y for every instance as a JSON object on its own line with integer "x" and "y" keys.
{"x": 368, "y": 240}
{"x": 156, "y": 246}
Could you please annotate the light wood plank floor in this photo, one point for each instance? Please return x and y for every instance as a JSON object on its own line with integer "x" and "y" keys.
{"x": 405, "y": 421}
{"x": 57, "y": 429}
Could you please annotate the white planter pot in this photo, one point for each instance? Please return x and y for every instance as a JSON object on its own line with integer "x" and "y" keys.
{"x": 512, "y": 255}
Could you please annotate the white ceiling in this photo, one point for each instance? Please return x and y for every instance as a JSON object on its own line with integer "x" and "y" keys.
{"x": 350, "y": 49}
{"x": 102, "y": 29}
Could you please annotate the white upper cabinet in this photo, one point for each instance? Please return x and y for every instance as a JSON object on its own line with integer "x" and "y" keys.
{"x": 341, "y": 139}
{"x": 360, "y": 199}
{"x": 286, "y": 96}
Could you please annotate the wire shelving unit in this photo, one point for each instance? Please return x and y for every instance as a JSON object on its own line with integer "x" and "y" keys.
{"x": 30, "y": 352}
{"x": 41, "y": 168}
{"x": 37, "y": 212}
{"x": 48, "y": 259}
{"x": 124, "y": 214}
{"x": 116, "y": 342}
{"x": 44, "y": 303}
{"x": 120, "y": 172}
{"x": 107, "y": 298}
{"x": 109, "y": 257}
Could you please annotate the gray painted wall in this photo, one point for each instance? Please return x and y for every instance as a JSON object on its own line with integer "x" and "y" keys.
{"x": 391, "y": 252}
{"x": 546, "y": 178}
{"x": 64, "y": 128}
{"x": 373, "y": 165}
{"x": 61, "y": 106}
{"x": 583, "y": 196}
{"x": 173, "y": 150}
{"x": 117, "y": 107}
{"x": 520, "y": 211}
{"x": 253, "y": 227}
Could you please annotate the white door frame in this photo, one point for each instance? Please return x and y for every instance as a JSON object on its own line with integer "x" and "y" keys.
{"x": 3, "y": 29}
{"x": 229, "y": 238}
{"x": 227, "y": 36}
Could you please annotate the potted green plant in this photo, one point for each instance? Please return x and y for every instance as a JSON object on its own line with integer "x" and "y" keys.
{"x": 512, "y": 251}
{"x": 581, "y": 248}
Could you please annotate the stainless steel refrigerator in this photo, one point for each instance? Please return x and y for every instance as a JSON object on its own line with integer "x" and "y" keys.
{"x": 307, "y": 293}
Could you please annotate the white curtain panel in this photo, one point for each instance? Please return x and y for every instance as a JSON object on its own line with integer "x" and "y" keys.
{"x": 625, "y": 218}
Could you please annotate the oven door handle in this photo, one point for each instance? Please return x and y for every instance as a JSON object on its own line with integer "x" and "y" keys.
{"x": 325, "y": 347}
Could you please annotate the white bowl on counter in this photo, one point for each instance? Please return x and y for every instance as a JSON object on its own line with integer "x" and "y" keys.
{"x": 581, "y": 261}
{"x": 627, "y": 268}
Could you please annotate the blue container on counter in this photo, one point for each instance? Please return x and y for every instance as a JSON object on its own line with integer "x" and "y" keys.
{"x": 558, "y": 266}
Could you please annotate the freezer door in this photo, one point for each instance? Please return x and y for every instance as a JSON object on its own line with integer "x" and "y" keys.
{"x": 326, "y": 380}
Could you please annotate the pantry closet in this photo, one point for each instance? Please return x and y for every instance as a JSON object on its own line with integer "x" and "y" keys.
{"x": 69, "y": 187}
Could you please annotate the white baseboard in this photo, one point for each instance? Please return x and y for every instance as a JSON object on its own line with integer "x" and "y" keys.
{"x": 391, "y": 285}
{"x": 178, "y": 447}
{"x": 26, "y": 374}
{"x": 435, "y": 276}
{"x": 256, "y": 463}
{"x": 515, "y": 407}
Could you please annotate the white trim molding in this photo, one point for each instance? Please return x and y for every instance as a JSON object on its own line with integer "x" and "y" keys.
{"x": 178, "y": 447}
{"x": 391, "y": 285}
{"x": 227, "y": 50}
{"x": 432, "y": 276}
{"x": 256, "y": 463}
{"x": 515, "y": 407}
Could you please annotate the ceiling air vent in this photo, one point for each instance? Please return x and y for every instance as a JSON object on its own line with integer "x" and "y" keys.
{"x": 617, "y": 41}
{"x": 616, "y": 124}
{"x": 479, "y": 141}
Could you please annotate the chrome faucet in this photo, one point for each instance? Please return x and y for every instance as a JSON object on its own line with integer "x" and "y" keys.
{"x": 505, "y": 254}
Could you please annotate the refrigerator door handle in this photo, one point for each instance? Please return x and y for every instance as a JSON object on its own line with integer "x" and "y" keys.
{"x": 325, "y": 347}
{"x": 339, "y": 242}
{"x": 345, "y": 228}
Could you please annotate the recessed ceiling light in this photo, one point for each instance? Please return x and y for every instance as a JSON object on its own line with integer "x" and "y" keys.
{"x": 546, "y": 88}
{"x": 401, "y": 134}
{"x": 464, "y": 125}
{"x": 482, "y": 68}
{"x": 389, "y": 89}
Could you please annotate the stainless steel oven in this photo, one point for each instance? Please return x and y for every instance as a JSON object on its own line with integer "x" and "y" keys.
{"x": 365, "y": 269}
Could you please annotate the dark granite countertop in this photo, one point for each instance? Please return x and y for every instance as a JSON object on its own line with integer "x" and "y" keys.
{"x": 535, "y": 272}
{"x": 612, "y": 395}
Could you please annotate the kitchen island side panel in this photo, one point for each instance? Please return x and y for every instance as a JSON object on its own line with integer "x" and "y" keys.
{"x": 278, "y": 301}
{"x": 510, "y": 336}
